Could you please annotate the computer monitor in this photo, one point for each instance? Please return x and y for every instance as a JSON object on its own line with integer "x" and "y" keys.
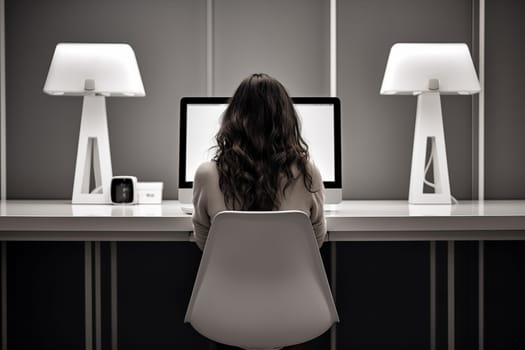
{"x": 320, "y": 117}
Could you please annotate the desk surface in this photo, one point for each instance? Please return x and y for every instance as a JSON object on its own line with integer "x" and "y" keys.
{"x": 350, "y": 220}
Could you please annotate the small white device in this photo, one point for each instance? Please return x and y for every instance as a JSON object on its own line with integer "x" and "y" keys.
{"x": 150, "y": 192}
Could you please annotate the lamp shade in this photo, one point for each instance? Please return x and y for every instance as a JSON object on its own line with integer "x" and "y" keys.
{"x": 416, "y": 68}
{"x": 79, "y": 69}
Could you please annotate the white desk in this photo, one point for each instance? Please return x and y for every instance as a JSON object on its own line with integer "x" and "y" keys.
{"x": 399, "y": 221}
{"x": 351, "y": 220}
{"x": 49, "y": 220}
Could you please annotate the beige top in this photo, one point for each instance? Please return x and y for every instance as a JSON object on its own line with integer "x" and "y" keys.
{"x": 208, "y": 200}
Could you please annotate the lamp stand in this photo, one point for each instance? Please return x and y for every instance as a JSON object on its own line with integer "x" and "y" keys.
{"x": 93, "y": 156}
{"x": 429, "y": 131}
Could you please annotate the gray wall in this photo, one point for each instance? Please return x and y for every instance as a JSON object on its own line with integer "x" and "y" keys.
{"x": 378, "y": 130}
{"x": 288, "y": 39}
{"x": 169, "y": 40}
{"x": 505, "y": 104}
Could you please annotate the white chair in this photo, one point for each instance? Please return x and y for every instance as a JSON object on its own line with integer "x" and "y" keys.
{"x": 261, "y": 282}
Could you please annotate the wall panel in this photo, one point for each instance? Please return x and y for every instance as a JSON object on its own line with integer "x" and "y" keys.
{"x": 287, "y": 39}
{"x": 504, "y": 169}
{"x": 504, "y": 91}
{"x": 169, "y": 40}
{"x": 378, "y": 130}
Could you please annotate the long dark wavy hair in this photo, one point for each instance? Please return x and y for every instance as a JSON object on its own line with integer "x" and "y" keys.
{"x": 258, "y": 144}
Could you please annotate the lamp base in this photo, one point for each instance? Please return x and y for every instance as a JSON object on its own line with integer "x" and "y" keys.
{"x": 93, "y": 156}
{"x": 429, "y": 131}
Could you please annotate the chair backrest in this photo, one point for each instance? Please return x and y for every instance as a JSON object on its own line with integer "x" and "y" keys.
{"x": 261, "y": 282}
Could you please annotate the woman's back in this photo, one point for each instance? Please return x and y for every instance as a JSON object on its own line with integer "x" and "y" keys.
{"x": 208, "y": 200}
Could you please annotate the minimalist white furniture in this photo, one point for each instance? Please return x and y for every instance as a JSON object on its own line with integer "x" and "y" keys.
{"x": 94, "y": 71}
{"x": 261, "y": 283}
{"x": 380, "y": 220}
{"x": 375, "y": 220}
{"x": 429, "y": 70}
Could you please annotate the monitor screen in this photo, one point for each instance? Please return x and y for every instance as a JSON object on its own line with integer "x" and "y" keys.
{"x": 320, "y": 128}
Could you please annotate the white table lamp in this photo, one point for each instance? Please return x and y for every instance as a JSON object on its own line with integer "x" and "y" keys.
{"x": 94, "y": 71}
{"x": 429, "y": 70}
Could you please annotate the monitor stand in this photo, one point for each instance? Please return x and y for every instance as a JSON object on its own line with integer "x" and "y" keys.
{"x": 186, "y": 200}
{"x": 333, "y": 195}
{"x": 186, "y": 195}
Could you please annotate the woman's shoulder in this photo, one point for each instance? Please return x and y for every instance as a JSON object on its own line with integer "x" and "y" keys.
{"x": 313, "y": 171}
{"x": 206, "y": 171}
{"x": 317, "y": 180}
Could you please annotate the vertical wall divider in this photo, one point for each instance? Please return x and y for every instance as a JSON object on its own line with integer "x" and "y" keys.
{"x": 4, "y": 295}
{"x": 93, "y": 295}
{"x": 481, "y": 103}
{"x": 3, "y": 262}
{"x": 3, "y": 186}
{"x": 333, "y": 48}
{"x": 481, "y": 295}
{"x": 481, "y": 174}
{"x": 333, "y": 93}
{"x": 98, "y": 297}
{"x": 333, "y": 287}
{"x": 209, "y": 47}
{"x": 474, "y": 115}
{"x": 433, "y": 305}
{"x": 114, "y": 296}
{"x": 451, "y": 310}
{"x": 88, "y": 294}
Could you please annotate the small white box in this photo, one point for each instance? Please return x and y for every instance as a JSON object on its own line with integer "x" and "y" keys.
{"x": 150, "y": 192}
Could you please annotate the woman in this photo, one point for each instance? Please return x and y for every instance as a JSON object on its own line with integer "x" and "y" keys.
{"x": 261, "y": 161}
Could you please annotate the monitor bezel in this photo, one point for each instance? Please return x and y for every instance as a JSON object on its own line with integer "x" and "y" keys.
{"x": 185, "y": 101}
